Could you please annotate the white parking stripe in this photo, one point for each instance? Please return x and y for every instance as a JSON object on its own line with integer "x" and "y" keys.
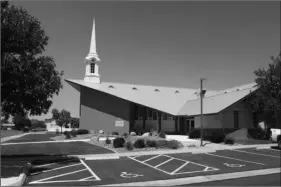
{"x": 86, "y": 178}
{"x": 150, "y": 166}
{"x": 57, "y": 176}
{"x": 234, "y": 159}
{"x": 51, "y": 163}
{"x": 89, "y": 169}
{"x": 56, "y": 168}
{"x": 164, "y": 162}
{"x": 150, "y": 158}
{"x": 46, "y": 182}
{"x": 176, "y": 170}
{"x": 256, "y": 153}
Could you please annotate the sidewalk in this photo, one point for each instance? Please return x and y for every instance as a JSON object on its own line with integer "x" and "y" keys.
{"x": 209, "y": 148}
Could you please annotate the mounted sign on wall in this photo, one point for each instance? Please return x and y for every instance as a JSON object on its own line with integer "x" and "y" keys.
{"x": 119, "y": 123}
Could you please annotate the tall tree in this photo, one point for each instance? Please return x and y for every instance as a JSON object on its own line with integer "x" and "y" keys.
{"x": 28, "y": 79}
{"x": 56, "y": 114}
{"x": 267, "y": 99}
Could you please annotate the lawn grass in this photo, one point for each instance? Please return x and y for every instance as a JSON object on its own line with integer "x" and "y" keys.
{"x": 33, "y": 138}
{"x": 7, "y": 133}
{"x": 56, "y": 148}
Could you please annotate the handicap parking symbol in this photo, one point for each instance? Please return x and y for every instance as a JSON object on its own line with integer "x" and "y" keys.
{"x": 234, "y": 165}
{"x": 129, "y": 175}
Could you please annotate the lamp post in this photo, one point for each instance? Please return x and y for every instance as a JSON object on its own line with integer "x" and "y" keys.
{"x": 202, "y": 93}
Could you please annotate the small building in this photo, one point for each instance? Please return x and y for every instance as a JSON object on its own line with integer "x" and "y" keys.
{"x": 119, "y": 107}
{"x": 51, "y": 126}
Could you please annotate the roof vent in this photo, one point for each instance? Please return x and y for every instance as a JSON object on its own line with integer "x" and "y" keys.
{"x": 226, "y": 91}
{"x": 110, "y": 86}
{"x": 238, "y": 89}
{"x": 177, "y": 91}
{"x": 156, "y": 90}
{"x": 134, "y": 88}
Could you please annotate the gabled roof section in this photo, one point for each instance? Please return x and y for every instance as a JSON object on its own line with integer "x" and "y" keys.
{"x": 217, "y": 102}
{"x": 183, "y": 102}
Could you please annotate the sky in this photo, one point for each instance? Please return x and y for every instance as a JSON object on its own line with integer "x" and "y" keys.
{"x": 159, "y": 43}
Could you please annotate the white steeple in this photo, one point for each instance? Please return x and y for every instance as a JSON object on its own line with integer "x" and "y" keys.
{"x": 92, "y": 61}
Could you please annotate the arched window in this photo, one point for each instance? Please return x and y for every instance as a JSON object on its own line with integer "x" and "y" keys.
{"x": 92, "y": 68}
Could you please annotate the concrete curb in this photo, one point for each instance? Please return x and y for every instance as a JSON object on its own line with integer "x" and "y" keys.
{"x": 58, "y": 141}
{"x": 21, "y": 179}
{"x": 197, "y": 150}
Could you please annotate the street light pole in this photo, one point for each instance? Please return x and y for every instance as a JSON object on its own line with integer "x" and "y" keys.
{"x": 201, "y": 107}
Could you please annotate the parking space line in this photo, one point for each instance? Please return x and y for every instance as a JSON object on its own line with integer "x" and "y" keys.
{"x": 46, "y": 182}
{"x": 150, "y": 165}
{"x": 268, "y": 149}
{"x": 86, "y": 178}
{"x": 52, "y": 163}
{"x": 256, "y": 153}
{"x": 151, "y": 158}
{"x": 56, "y": 168}
{"x": 89, "y": 169}
{"x": 56, "y": 176}
{"x": 164, "y": 162}
{"x": 179, "y": 168}
{"x": 235, "y": 159}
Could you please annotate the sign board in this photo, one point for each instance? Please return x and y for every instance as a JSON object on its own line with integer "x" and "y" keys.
{"x": 119, "y": 123}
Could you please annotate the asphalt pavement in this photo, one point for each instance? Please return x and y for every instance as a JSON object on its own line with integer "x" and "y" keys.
{"x": 136, "y": 169}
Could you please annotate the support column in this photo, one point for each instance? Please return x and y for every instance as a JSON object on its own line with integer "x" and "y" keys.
{"x": 132, "y": 116}
{"x": 176, "y": 124}
{"x": 159, "y": 121}
{"x": 143, "y": 117}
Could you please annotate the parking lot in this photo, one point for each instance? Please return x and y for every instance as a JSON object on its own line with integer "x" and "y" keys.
{"x": 154, "y": 167}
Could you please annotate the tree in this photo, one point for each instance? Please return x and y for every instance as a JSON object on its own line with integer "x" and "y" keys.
{"x": 21, "y": 122}
{"x": 55, "y": 114}
{"x": 29, "y": 80}
{"x": 63, "y": 118}
{"x": 267, "y": 99}
{"x": 75, "y": 123}
{"x": 37, "y": 124}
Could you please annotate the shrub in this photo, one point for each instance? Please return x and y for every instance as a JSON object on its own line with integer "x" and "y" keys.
{"x": 139, "y": 143}
{"x": 174, "y": 144}
{"x": 133, "y": 134}
{"x": 151, "y": 143}
{"x": 82, "y": 131}
{"x": 115, "y": 133}
{"x": 161, "y": 143}
{"x": 216, "y": 137}
{"x": 162, "y": 135}
{"x": 73, "y": 133}
{"x": 25, "y": 129}
{"x": 118, "y": 142}
{"x": 108, "y": 141}
{"x": 67, "y": 135}
{"x": 229, "y": 140}
{"x": 195, "y": 133}
{"x": 125, "y": 135}
{"x": 129, "y": 146}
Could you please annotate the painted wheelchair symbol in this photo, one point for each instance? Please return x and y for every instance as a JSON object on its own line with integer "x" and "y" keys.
{"x": 129, "y": 175}
{"x": 234, "y": 165}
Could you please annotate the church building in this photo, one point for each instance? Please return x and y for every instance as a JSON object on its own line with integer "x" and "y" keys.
{"x": 118, "y": 107}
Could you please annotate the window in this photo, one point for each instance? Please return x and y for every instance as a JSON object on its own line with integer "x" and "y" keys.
{"x": 149, "y": 114}
{"x": 170, "y": 117}
{"x": 154, "y": 115}
{"x": 92, "y": 68}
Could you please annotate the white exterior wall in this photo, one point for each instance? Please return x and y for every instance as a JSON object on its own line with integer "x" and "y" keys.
{"x": 52, "y": 127}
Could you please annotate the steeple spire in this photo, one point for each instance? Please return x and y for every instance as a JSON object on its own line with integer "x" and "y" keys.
{"x": 93, "y": 56}
{"x": 92, "y": 61}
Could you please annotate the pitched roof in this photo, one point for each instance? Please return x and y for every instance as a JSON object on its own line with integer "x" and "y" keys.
{"x": 175, "y": 101}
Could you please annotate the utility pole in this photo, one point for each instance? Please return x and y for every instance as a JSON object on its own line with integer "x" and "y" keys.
{"x": 202, "y": 93}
